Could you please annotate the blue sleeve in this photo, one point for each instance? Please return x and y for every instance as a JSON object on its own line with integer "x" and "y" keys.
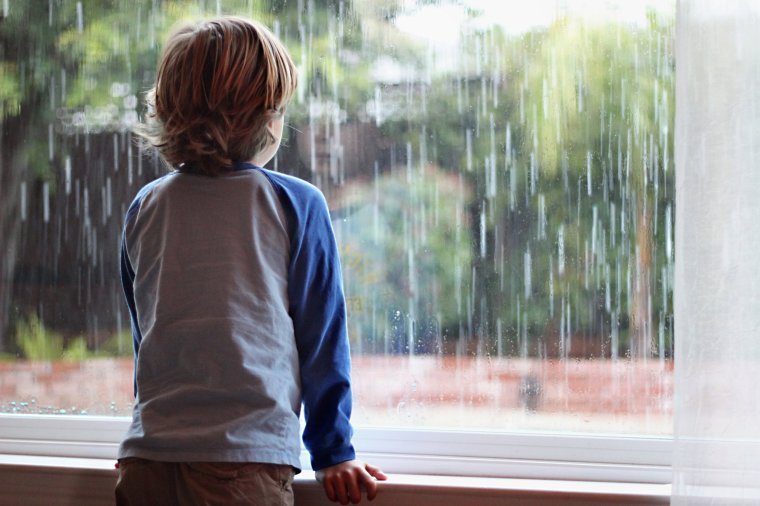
{"x": 128, "y": 273}
{"x": 127, "y": 283}
{"x": 318, "y": 311}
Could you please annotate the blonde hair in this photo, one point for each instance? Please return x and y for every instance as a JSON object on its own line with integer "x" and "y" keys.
{"x": 219, "y": 83}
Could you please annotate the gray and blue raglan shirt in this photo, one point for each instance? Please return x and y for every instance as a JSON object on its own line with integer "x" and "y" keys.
{"x": 234, "y": 289}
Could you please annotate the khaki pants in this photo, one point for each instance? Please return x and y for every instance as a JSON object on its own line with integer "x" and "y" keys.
{"x": 147, "y": 483}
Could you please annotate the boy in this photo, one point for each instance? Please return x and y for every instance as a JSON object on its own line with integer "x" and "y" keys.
{"x": 233, "y": 284}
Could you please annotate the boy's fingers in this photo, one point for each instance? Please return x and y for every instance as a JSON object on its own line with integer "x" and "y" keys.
{"x": 354, "y": 491}
{"x": 330, "y": 489}
{"x": 369, "y": 483}
{"x": 340, "y": 489}
{"x": 345, "y": 483}
{"x": 376, "y": 472}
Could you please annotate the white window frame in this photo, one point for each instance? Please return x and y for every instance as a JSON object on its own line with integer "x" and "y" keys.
{"x": 526, "y": 455}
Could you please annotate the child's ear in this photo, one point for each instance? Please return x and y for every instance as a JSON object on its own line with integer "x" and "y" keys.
{"x": 270, "y": 128}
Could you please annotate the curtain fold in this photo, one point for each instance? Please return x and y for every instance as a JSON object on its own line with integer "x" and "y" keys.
{"x": 717, "y": 272}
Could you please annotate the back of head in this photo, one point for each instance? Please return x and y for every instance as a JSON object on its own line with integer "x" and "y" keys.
{"x": 219, "y": 83}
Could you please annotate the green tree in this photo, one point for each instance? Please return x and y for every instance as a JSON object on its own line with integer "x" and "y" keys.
{"x": 405, "y": 250}
{"x": 565, "y": 135}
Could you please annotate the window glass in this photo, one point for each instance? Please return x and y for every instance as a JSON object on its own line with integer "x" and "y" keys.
{"x": 500, "y": 178}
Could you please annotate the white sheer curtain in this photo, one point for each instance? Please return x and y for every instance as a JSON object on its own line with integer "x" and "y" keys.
{"x": 717, "y": 275}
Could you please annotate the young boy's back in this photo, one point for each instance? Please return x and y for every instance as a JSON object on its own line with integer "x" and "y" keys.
{"x": 232, "y": 279}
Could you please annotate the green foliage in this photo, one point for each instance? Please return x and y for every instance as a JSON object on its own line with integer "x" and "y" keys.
{"x": 10, "y": 92}
{"x": 118, "y": 345}
{"x": 570, "y": 133}
{"x": 40, "y": 343}
{"x": 76, "y": 351}
{"x": 405, "y": 252}
{"x": 36, "y": 342}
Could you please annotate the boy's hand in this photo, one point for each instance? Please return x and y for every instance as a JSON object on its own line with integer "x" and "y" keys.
{"x": 344, "y": 482}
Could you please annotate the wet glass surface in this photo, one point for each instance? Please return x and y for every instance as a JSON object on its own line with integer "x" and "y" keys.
{"x": 500, "y": 179}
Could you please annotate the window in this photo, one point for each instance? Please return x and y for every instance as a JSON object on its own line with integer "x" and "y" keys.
{"x": 500, "y": 180}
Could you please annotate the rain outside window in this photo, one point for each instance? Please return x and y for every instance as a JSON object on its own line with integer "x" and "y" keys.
{"x": 500, "y": 178}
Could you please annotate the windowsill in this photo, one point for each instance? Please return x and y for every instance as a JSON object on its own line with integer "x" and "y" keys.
{"x": 37, "y": 479}
{"x": 70, "y": 460}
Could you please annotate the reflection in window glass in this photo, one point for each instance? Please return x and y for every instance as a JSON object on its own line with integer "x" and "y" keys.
{"x": 500, "y": 181}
